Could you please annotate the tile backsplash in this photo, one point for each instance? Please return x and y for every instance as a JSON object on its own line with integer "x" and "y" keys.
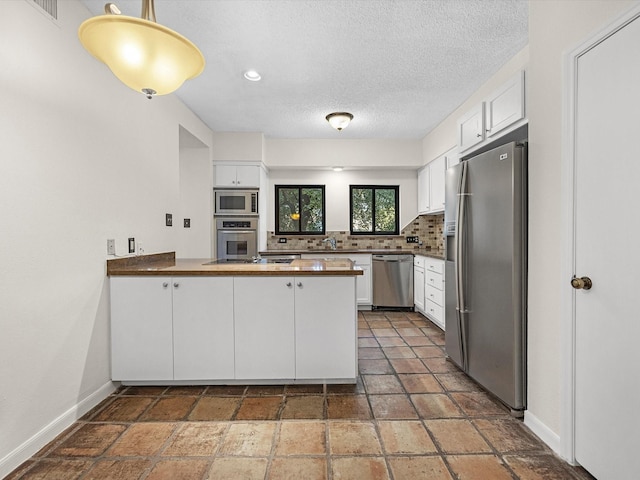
{"x": 428, "y": 228}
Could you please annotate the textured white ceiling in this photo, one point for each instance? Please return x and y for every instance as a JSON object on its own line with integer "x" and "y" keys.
{"x": 400, "y": 66}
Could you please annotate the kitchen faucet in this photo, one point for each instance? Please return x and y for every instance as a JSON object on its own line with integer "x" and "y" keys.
{"x": 332, "y": 242}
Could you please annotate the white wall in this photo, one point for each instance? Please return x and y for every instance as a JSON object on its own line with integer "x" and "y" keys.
{"x": 337, "y": 191}
{"x": 238, "y": 146}
{"x": 291, "y": 153}
{"x": 83, "y": 159}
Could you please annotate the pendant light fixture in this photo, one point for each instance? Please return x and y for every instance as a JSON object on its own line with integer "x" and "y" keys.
{"x": 146, "y": 56}
{"x": 339, "y": 120}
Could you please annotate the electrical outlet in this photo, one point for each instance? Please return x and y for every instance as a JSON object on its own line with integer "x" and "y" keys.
{"x": 111, "y": 246}
{"x": 413, "y": 239}
{"x": 187, "y": 223}
{"x": 169, "y": 220}
{"x": 132, "y": 245}
{"x": 140, "y": 249}
{"x": 282, "y": 240}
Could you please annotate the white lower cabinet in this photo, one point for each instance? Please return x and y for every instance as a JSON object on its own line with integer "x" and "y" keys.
{"x": 202, "y": 328}
{"x": 429, "y": 288}
{"x": 418, "y": 283}
{"x": 325, "y": 333}
{"x": 141, "y": 328}
{"x": 264, "y": 320}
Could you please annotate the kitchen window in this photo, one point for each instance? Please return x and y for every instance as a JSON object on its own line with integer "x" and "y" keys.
{"x": 374, "y": 209}
{"x": 300, "y": 210}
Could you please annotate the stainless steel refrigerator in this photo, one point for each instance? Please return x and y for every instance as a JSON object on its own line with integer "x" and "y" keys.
{"x": 486, "y": 268}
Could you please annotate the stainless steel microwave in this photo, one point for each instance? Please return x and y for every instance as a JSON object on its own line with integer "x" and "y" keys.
{"x": 236, "y": 202}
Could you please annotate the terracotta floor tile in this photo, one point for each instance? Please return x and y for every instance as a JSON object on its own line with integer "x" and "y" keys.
{"x": 369, "y": 353}
{"x": 397, "y": 316}
{"x": 457, "y": 436}
{"x": 130, "y": 469}
{"x": 438, "y": 339}
{"x": 479, "y": 404}
{"x": 435, "y": 405}
{"x": 61, "y": 469}
{"x": 225, "y": 390}
{"x": 368, "y": 342}
{"x": 398, "y": 352}
{"x": 346, "y": 388}
{"x": 238, "y": 468}
{"x": 382, "y": 384}
{"x": 383, "y": 323}
{"x": 248, "y": 439}
{"x": 359, "y": 468}
{"x": 407, "y": 438}
{"x": 429, "y": 328}
{"x": 124, "y": 409}
{"x": 214, "y": 408}
{"x": 298, "y": 468}
{"x": 141, "y": 439}
{"x": 384, "y": 332}
{"x": 353, "y": 438}
{"x": 409, "y": 332}
{"x": 405, "y": 323}
{"x": 194, "y": 390}
{"x": 302, "y": 389}
{"x": 18, "y": 472}
{"x": 44, "y": 451}
{"x": 149, "y": 391}
{"x": 183, "y": 469}
{"x": 457, "y": 382}
{"x": 414, "y": 468}
{"x": 440, "y": 365}
{"x": 348, "y": 407}
{"x": 391, "y": 342}
{"x": 508, "y": 435}
{"x": 301, "y": 438}
{"x": 90, "y": 440}
{"x": 259, "y": 408}
{"x": 171, "y": 409}
{"x": 196, "y": 439}
{"x": 259, "y": 390}
{"x": 543, "y": 467}
{"x": 380, "y": 367}
{"x": 420, "y": 383}
{"x": 364, "y": 332}
{"x": 308, "y": 406}
{"x": 408, "y": 365}
{"x": 478, "y": 467}
{"x": 428, "y": 351}
{"x": 392, "y": 407}
{"x": 419, "y": 342}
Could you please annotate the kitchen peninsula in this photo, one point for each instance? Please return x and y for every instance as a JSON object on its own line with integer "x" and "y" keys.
{"x": 190, "y": 321}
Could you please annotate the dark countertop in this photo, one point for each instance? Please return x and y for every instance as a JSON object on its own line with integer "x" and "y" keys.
{"x": 328, "y": 252}
{"x": 165, "y": 264}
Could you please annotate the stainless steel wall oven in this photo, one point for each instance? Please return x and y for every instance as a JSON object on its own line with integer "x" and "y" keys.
{"x": 237, "y": 238}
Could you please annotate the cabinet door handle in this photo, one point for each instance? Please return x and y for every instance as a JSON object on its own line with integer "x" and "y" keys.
{"x": 299, "y": 284}
{"x": 288, "y": 284}
{"x": 176, "y": 285}
{"x": 165, "y": 284}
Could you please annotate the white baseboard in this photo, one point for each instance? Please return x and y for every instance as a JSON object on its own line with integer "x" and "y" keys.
{"x": 31, "y": 446}
{"x": 545, "y": 434}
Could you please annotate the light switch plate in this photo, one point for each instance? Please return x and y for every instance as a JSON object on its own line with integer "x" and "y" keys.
{"x": 169, "y": 220}
{"x": 187, "y": 223}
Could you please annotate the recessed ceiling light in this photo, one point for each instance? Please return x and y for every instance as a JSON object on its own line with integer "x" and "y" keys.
{"x": 338, "y": 169}
{"x": 252, "y": 75}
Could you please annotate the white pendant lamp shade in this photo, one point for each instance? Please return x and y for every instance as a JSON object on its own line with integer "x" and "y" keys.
{"x": 143, "y": 54}
{"x": 339, "y": 120}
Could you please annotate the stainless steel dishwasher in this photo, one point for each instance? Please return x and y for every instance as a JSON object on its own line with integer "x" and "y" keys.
{"x": 393, "y": 281}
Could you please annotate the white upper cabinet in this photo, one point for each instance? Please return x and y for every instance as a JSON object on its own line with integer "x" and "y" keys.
{"x": 237, "y": 176}
{"x": 423, "y": 190}
{"x": 437, "y": 169}
{"x": 505, "y": 106}
{"x": 471, "y": 128}
{"x": 500, "y": 112}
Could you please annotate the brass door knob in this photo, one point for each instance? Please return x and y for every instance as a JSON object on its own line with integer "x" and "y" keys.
{"x": 582, "y": 283}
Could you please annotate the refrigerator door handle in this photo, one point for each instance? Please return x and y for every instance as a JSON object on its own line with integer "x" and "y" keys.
{"x": 460, "y": 242}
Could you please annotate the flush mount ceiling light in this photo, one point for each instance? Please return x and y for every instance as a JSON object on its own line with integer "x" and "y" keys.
{"x": 339, "y": 120}
{"x": 145, "y": 56}
{"x": 252, "y": 76}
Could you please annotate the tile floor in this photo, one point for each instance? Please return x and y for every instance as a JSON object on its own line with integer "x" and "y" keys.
{"x": 412, "y": 415}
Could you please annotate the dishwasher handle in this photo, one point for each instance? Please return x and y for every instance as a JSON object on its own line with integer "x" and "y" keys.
{"x": 393, "y": 258}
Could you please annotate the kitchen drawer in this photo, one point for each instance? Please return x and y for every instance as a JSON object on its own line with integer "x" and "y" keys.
{"x": 434, "y": 265}
{"x": 435, "y": 311}
{"x": 435, "y": 295}
{"x": 419, "y": 261}
{"x": 434, "y": 279}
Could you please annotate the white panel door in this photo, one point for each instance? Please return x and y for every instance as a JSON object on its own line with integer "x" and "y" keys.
{"x": 436, "y": 190}
{"x": 264, "y": 328}
{"x": 248, "y": 176}
{"x": 607, "y": 322}
{"x": 423, "y": 190}
{"x": 326, "y": 327}
{"x": 141, "y": 328}
{"x": 203, "y": 328}
{"x": 471, "y": 128}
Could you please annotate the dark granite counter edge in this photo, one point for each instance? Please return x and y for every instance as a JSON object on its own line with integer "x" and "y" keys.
{"x": 328, "y": 252}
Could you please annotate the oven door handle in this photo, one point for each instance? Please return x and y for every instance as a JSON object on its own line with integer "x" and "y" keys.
{"x": 237, "y": 231}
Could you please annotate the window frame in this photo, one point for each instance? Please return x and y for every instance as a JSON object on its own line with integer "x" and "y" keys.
{"x": 300, "y": 188}
{"x": 396, "y": 189}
